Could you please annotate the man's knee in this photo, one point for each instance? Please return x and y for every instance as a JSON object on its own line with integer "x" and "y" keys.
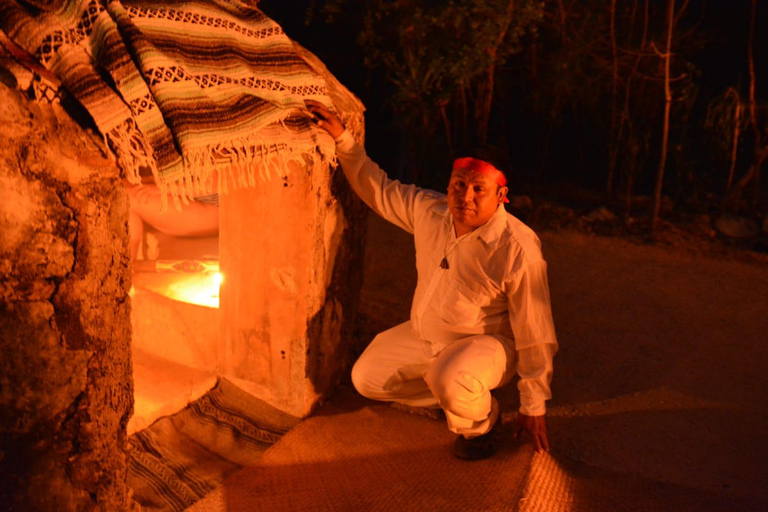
{"x": 455, "y": 389}
{"x": 360, "y": 379}
{"x": 462, "y": 377}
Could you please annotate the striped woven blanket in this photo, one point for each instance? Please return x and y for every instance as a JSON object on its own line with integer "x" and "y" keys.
{"x": 192, "y": 90}
{"x": 183, "y": 457}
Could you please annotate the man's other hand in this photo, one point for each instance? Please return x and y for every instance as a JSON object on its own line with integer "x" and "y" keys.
{"x": 325, "y": 119}
{"x": 537, "y": 427}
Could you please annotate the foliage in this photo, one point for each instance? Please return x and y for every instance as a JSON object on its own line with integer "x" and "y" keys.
{"x": 723, "y": 124}
{"x": 578, "y": 87}
{"x": 431, "y": 50}
{"x": 441, "y": 59}
{"x": 601, "y": 64}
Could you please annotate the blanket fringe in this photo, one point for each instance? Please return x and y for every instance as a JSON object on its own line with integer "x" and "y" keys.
{"x": 186, "y": 158}
{"x": 242, "y": 163}
{"x": 131, "y": 150}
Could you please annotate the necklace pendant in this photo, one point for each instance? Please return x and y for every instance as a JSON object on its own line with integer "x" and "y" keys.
{"x": 444, "y": 264}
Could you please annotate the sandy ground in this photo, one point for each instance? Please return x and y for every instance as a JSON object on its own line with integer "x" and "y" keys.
{"x": 662, "y": 371}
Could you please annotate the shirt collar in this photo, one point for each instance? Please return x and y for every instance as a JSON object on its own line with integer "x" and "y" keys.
{"x": 491, "y": 231}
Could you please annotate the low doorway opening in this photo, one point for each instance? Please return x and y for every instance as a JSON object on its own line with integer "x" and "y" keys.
{"x": 175, "y": 323}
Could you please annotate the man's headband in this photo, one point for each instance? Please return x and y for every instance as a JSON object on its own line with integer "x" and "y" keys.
{"x": 473, "y": 164}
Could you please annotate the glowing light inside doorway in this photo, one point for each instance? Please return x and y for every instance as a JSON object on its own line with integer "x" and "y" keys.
{"x": 191, "y": 281}
{"x": 201, "y": 289}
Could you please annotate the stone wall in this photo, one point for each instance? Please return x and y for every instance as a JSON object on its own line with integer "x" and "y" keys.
{"x": 293, "y": 247}
{"x": 291, "y": 251}
{"x": 66, "y": 389}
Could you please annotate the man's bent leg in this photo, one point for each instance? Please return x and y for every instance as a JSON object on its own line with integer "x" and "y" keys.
{"x": 462, "y": 377}
{"x": 392, "y": 368}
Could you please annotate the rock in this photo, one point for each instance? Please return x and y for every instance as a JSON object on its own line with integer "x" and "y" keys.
{"x": 291, "y": 348}
{"x": 701, "y": 221}
{"x": 602, "y": 214}
{"x": 734, "y": 226}
{"x": 553, "y": 215}
{"x": 555, "y": 210}
{"x": 703, "y": 224}
{"x": 765, "y": 224}
{"x": 65, "y": 333}
{"x": 520, "y": 203}
{"x": 644, "y": 203}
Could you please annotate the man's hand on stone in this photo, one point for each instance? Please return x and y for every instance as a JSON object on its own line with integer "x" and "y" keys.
{"x": 536, "y": 427}
{"x": 325, "y": 119}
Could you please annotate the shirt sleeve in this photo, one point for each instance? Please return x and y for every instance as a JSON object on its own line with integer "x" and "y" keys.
{"x": 530, "y": 314}
{"x": 530, "y": 310}
{"x": 389, "y": 198}
{"x": 534, "y": 366}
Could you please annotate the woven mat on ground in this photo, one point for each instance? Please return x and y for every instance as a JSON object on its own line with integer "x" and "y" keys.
{"x": 363, "y": 456}
{"x": 181, "y": 458}
{"x": 183, "y": 88}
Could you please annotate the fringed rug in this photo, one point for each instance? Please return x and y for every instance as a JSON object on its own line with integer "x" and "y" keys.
{"x": 200, "y": 92}
{"x": 364, "y": 456}
{"x": 181, "y": 458}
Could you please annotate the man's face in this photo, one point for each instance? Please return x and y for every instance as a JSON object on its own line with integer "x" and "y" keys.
{"x": 473, "y": 198}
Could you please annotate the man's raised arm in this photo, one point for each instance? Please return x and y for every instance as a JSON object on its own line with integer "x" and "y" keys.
{"x": 389, "y": 198}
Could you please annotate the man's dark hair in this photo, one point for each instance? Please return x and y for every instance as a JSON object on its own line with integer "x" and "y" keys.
{"x": 487, "y": 153}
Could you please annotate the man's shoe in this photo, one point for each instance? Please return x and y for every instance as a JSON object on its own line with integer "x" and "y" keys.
{"x": 480, "y": 447}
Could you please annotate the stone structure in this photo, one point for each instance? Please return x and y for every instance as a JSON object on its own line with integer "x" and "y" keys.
{"x": 291, "y": 253}
{"x": 65, "y": 368}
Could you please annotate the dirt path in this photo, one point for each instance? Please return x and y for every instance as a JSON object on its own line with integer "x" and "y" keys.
{"x": 663, "y": 367}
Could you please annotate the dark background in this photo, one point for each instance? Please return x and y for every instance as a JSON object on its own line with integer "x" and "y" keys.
{"x": 572, "y": 164}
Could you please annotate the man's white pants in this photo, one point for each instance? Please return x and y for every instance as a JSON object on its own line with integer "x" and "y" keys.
{"x": 458, "y": 376}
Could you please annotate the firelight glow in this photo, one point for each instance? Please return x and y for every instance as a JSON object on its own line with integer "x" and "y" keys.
{"x": 201, "y": 289}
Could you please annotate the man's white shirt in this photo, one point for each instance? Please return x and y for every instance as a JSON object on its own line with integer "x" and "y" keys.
{"x": 495, "y": 281}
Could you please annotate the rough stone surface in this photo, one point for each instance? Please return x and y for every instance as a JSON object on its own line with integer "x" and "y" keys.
{"x": 290, "y": 287}
{"x": 65, "y": 368}
{"x": 291, "y": 254}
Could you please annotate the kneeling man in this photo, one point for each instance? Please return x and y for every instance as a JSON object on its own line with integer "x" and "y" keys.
{"x": 481, "y": 311}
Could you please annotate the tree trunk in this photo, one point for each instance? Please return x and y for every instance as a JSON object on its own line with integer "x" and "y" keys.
{"x": 485, "y": 87}
{"x": 735, "y": 145}
{"x": 758, "y": 150}
{"x": 446, "y": 126}
{"x": 634, "y": 149}
{"x": 613, "y": 149}
{"x": 625, "y": 121}
{"x": 464, "y": 115}
{"x": 761, "y": 155}
{"x": 484, "y": 103}
{"x": 667, "y": 105}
